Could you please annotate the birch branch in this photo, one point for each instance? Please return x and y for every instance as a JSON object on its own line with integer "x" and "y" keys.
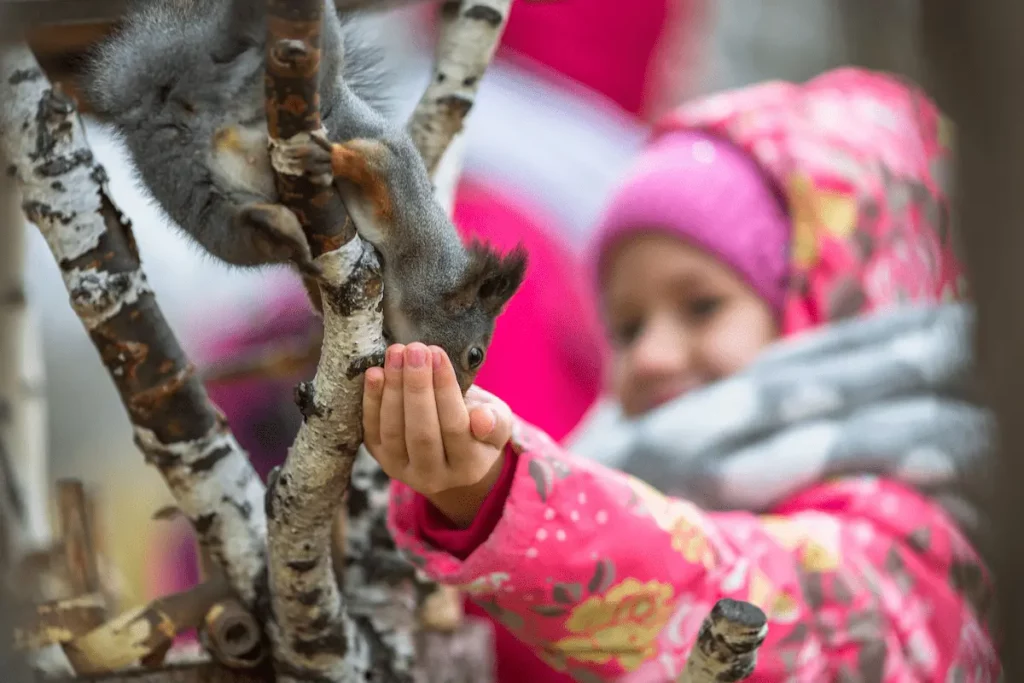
{"x": 726, "y": 647}
{"x": 469, "y": 34}
{"x": 314, "y": 637}
{"x": 64, "y": 193}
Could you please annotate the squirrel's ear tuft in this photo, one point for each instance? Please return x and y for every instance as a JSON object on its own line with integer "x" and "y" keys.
{"x": 492, "y": 278}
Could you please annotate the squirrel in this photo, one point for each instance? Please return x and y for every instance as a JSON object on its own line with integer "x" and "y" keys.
{"x": 182, "y": 83}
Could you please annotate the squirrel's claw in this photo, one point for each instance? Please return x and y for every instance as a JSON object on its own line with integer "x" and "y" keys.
{"x": 311, "y": 158}
{"x": 315, "y": 162}
{"x": 321, "y": 139}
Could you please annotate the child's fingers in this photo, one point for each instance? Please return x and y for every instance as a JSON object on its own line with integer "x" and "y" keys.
{"x": 422, "y": 431}
{"x": 392, "y": 406}
{"x": 451, "y": 407}
{"x": 373, "y": 392}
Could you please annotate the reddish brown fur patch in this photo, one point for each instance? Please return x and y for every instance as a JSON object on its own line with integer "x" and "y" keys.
{"x": 359, "y": 162}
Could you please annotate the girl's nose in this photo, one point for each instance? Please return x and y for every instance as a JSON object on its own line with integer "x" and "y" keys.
{"x": 663, "y": 350}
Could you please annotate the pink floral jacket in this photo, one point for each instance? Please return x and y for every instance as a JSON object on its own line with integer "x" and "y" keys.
{"x": 862, "y": 579}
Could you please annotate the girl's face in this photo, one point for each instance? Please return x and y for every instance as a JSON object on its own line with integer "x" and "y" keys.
{"x": 678, "y": 319}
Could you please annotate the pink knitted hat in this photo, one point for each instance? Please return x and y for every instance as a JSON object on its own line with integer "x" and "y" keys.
{"x": 710, "y": 193}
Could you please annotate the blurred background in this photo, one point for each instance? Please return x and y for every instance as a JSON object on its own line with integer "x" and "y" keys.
{"x": 564, "y": 108}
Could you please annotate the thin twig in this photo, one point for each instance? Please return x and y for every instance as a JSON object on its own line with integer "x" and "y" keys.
{"x": 726, "y": 647}
{"x": 64, "y": 193}
{"x": 275, "y": 360}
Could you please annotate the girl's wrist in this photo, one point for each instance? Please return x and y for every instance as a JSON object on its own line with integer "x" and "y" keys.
{"x": 461, "y": 505}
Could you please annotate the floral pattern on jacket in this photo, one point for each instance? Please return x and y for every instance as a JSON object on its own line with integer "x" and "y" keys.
{"x": 862, "y": 579}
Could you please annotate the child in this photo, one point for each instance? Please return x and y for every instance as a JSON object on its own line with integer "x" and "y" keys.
{"x": 820, "y": 478}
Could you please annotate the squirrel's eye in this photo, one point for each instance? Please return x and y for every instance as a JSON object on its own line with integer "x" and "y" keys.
{"x": 474, "y": 357}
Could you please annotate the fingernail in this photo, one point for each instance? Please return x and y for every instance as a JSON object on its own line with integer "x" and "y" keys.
{"x": 396, "y": 358}
{"x": 417, "y": 356}
{"x": 436, "y": 359}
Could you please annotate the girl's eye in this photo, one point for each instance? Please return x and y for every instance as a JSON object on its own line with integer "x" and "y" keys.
{"x": 705, "y": 306}
{"x": 625, "y": 334}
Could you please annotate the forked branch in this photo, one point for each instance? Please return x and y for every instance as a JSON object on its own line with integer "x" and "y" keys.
{"x": 314, "y": 636}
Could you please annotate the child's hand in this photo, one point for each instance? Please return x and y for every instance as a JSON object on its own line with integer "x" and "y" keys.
{"x": 423, "y": 433}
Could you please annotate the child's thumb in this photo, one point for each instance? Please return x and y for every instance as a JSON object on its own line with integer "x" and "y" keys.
{"x": 482, "y": 421}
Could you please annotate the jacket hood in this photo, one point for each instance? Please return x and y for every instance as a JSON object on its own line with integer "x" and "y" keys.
{"x": 861, "y": 160}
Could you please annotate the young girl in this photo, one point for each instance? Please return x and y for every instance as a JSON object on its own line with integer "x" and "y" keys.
{"x": 822, "y": 478}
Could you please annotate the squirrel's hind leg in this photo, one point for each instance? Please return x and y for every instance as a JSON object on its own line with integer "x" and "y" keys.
{"x": 273, "y": 234}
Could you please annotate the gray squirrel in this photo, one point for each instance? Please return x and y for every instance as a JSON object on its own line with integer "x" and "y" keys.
{"x": 182, "y": 82}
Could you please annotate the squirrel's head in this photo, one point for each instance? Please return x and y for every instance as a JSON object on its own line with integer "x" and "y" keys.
{"x": 487, "y": 285}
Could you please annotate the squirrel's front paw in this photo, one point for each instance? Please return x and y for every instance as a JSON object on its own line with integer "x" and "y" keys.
{"x": 313, "y": 158}
{"x": 277, "y": 235}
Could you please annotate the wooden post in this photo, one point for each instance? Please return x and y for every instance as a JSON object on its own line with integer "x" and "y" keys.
{"x": 977, "y": 63}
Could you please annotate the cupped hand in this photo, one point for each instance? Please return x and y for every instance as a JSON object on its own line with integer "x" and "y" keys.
{"x": 424, "y": 433}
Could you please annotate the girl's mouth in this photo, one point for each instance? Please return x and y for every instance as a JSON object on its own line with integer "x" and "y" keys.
{"x": 667, "y": 394}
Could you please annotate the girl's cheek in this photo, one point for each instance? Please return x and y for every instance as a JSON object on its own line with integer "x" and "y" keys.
{"x": 738, "y": 340}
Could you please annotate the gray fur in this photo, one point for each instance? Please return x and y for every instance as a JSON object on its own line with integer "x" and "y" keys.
{"x": 179, "y": 71}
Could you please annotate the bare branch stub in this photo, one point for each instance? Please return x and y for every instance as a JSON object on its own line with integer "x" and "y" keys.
{"x": 64, "y": 193}
{"x": 727, "y": 643}
{"x": 293, "y": 109}
{"x": 233, "y": 636}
